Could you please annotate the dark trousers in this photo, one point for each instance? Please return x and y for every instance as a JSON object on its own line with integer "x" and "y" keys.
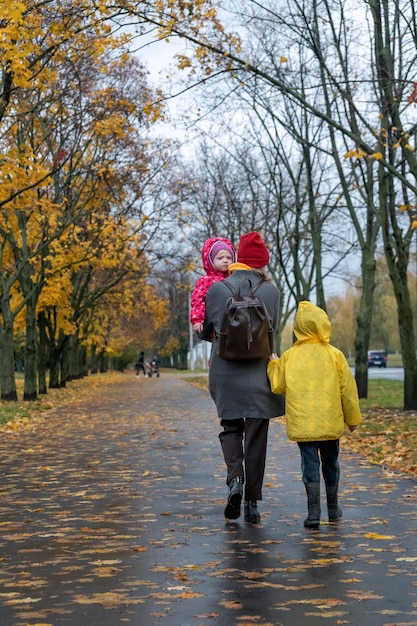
{"x": 311, "y": 454}
{"x": 244, "y": 444}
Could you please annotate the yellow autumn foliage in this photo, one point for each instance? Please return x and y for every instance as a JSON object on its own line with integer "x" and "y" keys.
{"x": 64, "y": 236}
{"x": 356, "y": 153}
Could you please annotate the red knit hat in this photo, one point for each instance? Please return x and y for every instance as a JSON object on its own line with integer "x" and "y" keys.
{"x": 252, "y": 250}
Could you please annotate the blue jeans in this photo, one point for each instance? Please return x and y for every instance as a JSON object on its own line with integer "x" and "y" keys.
{"x": 311, "y": 454}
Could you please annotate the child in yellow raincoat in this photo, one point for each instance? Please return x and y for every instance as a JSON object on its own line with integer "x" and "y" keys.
{"x": 321, "y": 399}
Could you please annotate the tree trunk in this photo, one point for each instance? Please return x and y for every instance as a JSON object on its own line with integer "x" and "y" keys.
{"x": 83, "y": 362}
{"x": 54, "y": 365}
{"x": 31, "y": 349}
{"x": 64, "y": 360}
{"x": 7, "y": 376}
{"x": 42, "y": 353}
{"x": 397, "y": 256}
{"x": 75, "y": 358}
{"x": 102, "y": 362}
{"x": 53, "y": 349}
{"x": 363, "y": 322}
{"x": 406, "y": 329}
{"x": 407, "y": 338}
{"x": 93, "y": 359}
{"x": 7, "y": 369}
{"x": 315, "y": 232}
{"x": 57, "y": 365}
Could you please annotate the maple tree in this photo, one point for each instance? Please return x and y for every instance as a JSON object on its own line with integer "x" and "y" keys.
{"x": 71, "y": 116}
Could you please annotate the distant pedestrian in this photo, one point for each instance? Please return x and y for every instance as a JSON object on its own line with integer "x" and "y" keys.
{"x": 240, "y": 388}
{"x": 140, "y": 364}
{"x": 217, "y": 254}
{"x": 321, "y": 400}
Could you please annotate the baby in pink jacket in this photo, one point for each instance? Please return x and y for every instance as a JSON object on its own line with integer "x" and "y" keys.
{"x": 217, "y": 254}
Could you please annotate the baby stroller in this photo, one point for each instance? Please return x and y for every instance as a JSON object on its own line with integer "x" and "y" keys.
{"x": 153, "y": 368}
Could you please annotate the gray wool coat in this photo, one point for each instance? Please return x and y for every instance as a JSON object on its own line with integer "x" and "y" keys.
{"x": 240, "y": 388}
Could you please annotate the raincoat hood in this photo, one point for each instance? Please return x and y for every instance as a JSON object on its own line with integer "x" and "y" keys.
{"x": 312, "y": 324}
{"x": 205, "y": 252}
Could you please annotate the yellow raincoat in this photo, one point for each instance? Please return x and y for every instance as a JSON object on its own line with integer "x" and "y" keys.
{"x": 320, "y": 390}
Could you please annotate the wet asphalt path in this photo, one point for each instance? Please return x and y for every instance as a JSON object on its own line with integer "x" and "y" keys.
{"x": 111, "y": 512}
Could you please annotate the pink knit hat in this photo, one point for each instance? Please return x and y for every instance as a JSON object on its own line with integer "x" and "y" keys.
{"x": 220, "y": 245}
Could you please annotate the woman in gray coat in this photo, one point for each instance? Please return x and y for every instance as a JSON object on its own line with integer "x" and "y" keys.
{"x": 240, "y": 389}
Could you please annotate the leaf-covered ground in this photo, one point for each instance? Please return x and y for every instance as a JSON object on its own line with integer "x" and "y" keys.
{"x": 111, "y": 512}
{"x": 387, "y": 437}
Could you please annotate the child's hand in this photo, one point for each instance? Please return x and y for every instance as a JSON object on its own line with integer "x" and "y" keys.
{"x": 352, "y": 428}
{"x": 273, "y": 357}
{"x": 198, "y": 328}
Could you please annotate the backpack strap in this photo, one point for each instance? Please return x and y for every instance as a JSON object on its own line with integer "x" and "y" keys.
{"x": 261, "y": 282}
{"x": 252, "y": 290}
{"x": 232, "y": 289}
{"x": 252, "y": 293}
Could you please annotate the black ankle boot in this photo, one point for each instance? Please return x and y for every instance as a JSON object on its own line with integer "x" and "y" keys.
{"x": 251, "y": 512}
{"x": 232, "y": 510}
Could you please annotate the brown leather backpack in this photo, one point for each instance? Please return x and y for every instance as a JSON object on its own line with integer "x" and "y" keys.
{"x": 246, "y": 331}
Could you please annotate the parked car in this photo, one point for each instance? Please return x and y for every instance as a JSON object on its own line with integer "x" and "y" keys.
{"x": 377, "y": 358}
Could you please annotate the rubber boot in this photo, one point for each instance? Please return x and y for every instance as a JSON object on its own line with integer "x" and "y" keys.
{"x": 313, "y": 502}
{"x": 333, "y": 509}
